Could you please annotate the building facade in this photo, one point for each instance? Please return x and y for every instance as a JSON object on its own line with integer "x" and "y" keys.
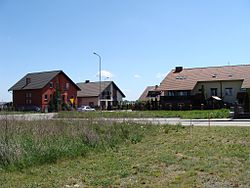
{"x": 49, "y": 91}
{"x": 90, "y": 94}
{"x": 211, "y": 87}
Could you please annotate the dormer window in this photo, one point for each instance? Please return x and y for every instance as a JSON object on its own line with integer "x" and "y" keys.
{"x": 51, "y": 85}
{"x": 214, "y": 75}
{"x": 28, "y": 80}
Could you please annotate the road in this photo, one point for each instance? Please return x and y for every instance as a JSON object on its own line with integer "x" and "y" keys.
{"x": 28, "y": 116}
{"x": 184, "y": 122}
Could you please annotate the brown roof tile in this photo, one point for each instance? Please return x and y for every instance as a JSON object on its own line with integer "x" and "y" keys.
{"x": 38, "y": 80}
{"x": 143, "y": 96}
{"x": 187, "y": 78}
{"x": 91, "y": 89}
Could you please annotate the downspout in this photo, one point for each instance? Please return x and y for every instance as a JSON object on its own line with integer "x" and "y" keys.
{"x": 221, "y": 90}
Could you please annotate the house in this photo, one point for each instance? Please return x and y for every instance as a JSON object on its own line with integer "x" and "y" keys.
{"x": 149, "y": 93}
{"x": 3, "y": 105}
{"x": 105, "y": 93}
{"x": 49, "y": 91}
{"x": 210, "y": 86}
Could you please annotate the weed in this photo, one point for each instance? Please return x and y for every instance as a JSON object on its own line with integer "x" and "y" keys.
{"x": 212, "y": 157}
{"x": 24, "y": 144}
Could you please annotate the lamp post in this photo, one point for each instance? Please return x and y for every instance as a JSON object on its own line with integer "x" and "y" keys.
{"x": 100, "y": 77}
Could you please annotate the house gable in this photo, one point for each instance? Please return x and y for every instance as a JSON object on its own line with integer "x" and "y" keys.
{"x": 92, "y": 89}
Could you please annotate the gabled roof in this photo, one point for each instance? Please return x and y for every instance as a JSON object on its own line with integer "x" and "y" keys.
{"x": 187, "y": 78}
{"x": 38, "y": 80}
{"x": 144, "y": 95}
{"x": 91, "y": 89}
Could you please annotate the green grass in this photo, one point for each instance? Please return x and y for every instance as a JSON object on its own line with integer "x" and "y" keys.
{"x": 163, "y": 156}
{"x": 24, "y": 143}
{"x": 189, "y": 114}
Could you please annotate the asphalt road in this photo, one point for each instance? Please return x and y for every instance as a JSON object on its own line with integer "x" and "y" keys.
{"x": 184, "y": 122}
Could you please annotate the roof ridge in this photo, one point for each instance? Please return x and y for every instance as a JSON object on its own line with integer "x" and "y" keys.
{"x": 221, "y": 66}
{"x": 42, "y": 72}
{"x": 95, "y": 82}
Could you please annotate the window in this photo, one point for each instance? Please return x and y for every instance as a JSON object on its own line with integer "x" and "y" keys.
{"x": 67, "y": 86}
{"x": 213, "y": 91}
{"x": 228, "y": 91}
{"x": 243, "y": 89}
{"x": 51, "y": 85}
{"x": 170, "y": 93}
{"x": 28, "y": 95}
{"x": 106, "y": 94}
{"x": 182, "y": 93}
{"x": 28, "y": 101}
{"x": 45, "y": 97}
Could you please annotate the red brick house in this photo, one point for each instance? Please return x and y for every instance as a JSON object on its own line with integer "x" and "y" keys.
{"x": 44, "y": 90}
{"x": 89, "y": 94}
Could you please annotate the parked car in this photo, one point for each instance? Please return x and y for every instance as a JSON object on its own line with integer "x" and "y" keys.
{"x": 85, "y": 109}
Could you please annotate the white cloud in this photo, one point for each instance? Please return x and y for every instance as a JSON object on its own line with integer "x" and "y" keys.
{"x": 137, "y": 76}
{"x": 161, "y": 75}
{"x": 105, "y": 74}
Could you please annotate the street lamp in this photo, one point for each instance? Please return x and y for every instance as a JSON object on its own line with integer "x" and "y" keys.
{"x": 100, "y": 77}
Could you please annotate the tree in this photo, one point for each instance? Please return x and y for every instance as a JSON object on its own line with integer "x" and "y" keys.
{"x": 54, "y": 102}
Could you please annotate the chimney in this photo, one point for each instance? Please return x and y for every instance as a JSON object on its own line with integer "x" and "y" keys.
{"x": 178, "y": 69}
{"x": 87, "y": 81}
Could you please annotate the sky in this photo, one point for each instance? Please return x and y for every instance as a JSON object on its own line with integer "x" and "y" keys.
{"x": 139, "y": 41}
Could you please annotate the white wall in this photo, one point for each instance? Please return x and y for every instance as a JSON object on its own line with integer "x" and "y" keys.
{"x": 221, "y": 86}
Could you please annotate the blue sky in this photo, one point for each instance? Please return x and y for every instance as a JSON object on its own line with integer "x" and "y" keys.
{"x": 139, "y": 40}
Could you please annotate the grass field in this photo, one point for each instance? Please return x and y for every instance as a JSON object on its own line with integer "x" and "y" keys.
{"x": 189, "y": 114}
{"x": 149, "y": 156}
{"x": 25, "y": 143}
